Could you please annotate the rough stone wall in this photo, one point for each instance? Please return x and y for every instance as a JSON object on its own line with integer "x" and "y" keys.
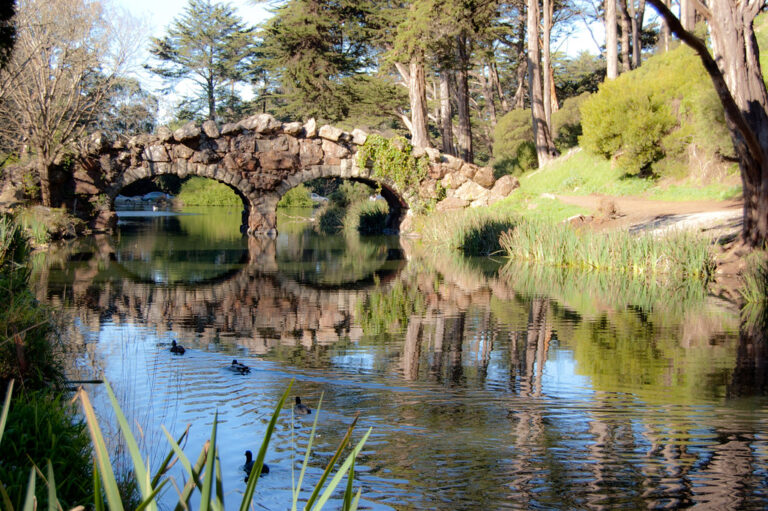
{"x": 261, "y": 159}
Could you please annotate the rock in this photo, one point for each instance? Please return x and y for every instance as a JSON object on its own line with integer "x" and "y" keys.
{"x": 504, "y": 186}
{"x": 183, "y": 152}
{"x": 277, "y": 160}
{"x": 310, "y": 128}
{"x": 418, "y": 151}
{"x": 437, "y": 171}
{"x": 453, "y": 162}
{"x": 156, "y": 153}
{"x": 230, "y": 128}
{"x": 210, "y": 129}
{"x": 164, "y": 133}
{"x": 484, "y": 177}
{"x": 547, "y": 196}
{"x": 359, "y": 136}
{"x": 454, "y": 180}
{"x": 331, "y": 133}
{"x": 310, "y": 152}
{"x": 451, "y": 203}
{"x": 468, "y": 170}
{"x": 261, "y": 123}
{"x": 97, "y": 142}
{"x": 187, "y": 132}
{"x": 335, "y": 151}
{"x": 428, "y": 189}
{"x": 471, "y": 191}
{"x": 293, "y": 128}
{"x": 434, "y": 154}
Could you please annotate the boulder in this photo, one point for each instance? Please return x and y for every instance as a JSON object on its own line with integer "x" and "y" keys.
{"x": 331, "y": 133}
{"x": 453, "y": 181}
{"x": 189, "y": 131}
{"x": 504, "y": 186}
{"x": 277, "y": 160}
{"x": 156, "y": 153}
{"x": 471, "y": 191}
{"x": 451, "y": 203}
{"x": 164, "y": 133}
{"x": 310, "y": 128}
{"x": 210, "y": 129}
{"x": 293, "y": 128}
{"x": 261, "y": 123}
{"x": 484, "y": 177}
{"x": 359, "y": 136}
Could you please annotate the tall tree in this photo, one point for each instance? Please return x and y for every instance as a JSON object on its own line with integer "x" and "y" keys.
{"x": 545, "y": 147}
{"x": 7, "y": 30}
{"x": 210, "y": 45}
{"x": 611, "y": 41}
{"x": 734, "y": 67}
{"x": 68, "y": 56}
{"x": 636, "y": 17}
{"x": 625, "y": 23}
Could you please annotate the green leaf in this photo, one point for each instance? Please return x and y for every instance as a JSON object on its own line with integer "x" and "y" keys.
{"x": 210, "y": 462}
{"x": 307, "y": 453}
{"x": 256, "y": 470}
{"x": 142, "y": 476}
{"x": 164, "y": 465}
{"x": 151, "y": 497}
{"x": 331, "y": 464}
{"x": 6, "y": 498}
{"x": 6, "y": 408}
{"x": 53, "y": 501}
{"x": 102, "y": 455}
{"x": 348, "y": 492}
{"x": 98, "y": 500}
{"x": 340, "y": 474}
{"x": 194, "y": 480}
{"x": 30, "y": 502}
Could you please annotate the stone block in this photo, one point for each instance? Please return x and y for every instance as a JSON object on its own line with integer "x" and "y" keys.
{"x": 310, "y": 152}
{"x": 331, "y": 133}
{"x": 437, "y": 170}
{"x": 230, "y": 128}
{"x": 359, "y": 136}
{"x": 293, "y": 128}
{"x": 468, "y": 170}
{"x": 285, "y": 143}
{"x": 263, "y": 145}
{"x": 310, "y": 128}
{"x": 180, "y": 151}
{"x": 334, "y": 151}
{"x": 188, "y": 132}
{"x": 434, "y": 154}
{"x": 204, "y": 156}
{"x": 164, "y": 134}
{"x": 471, "y": 191}
{"x": 452, "y": 162}
{"x": 261, "y": 123}
{"x": 277, "y": 160}
{"x": 210, "y": 129}
{"x": 453, "y": 180}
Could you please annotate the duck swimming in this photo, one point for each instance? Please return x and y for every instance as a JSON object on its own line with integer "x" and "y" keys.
{"x": 300, "y": 409}
{"x": 239, "y": 368}
{"x": 249, "y": 466}
{"x": 178, "y": 349}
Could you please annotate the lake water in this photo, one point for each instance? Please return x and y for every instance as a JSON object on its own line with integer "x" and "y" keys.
{"x": 486, "y": 386}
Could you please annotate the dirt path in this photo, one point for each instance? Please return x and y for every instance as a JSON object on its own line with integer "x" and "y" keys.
{"x": 719, "y": 217}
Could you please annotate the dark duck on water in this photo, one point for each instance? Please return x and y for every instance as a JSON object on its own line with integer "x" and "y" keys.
{"x": 300, "y": 409}
{"x": 177, "y": 349}
{"x": 249, "y": 466}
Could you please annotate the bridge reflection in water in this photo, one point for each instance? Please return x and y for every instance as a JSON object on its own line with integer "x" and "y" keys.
{"x": 481, "y": 392}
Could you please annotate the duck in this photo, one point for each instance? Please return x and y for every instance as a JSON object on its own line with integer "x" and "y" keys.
{"x": 249, "y": 466}
{"x": 300, "y": 409}
{"x": 239, "y": 368}
{"x": 178, "y": 349}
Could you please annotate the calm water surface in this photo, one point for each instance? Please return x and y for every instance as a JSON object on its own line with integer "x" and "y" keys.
{"x": 485, "y": 387}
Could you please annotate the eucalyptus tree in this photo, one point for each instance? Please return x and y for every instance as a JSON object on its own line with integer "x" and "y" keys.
{"x": 734, "y": 67}
{"x": 545, "y": 146}
{"x": 67, "y": 58}
{"x": 210, "y": 45}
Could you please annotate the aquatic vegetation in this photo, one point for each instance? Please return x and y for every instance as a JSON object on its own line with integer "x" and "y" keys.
{"x": 473, "y": 232}
{"x": 204, "y": 476}
{"x": 755, "y": 278}
{"x": 388, "y": 310}
{"x": 366, "y": 217}
{"x": 678, "y": 254}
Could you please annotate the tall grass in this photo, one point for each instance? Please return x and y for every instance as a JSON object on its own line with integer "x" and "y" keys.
{"x": 678, "y": 254}
{"x": 204, "y": 475}
{"x": 473, "y": 232}
{"x": 754, "y": 289}
{"x": 366, "y": 217}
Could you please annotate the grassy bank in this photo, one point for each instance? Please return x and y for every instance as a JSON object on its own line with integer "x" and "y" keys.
{"x": 200, "y": 191}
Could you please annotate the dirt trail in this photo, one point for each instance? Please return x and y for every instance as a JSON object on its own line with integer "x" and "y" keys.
{"x": 645, "y": 214}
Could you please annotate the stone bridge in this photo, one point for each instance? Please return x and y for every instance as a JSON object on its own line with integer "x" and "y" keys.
{"x": 261, "y": 158}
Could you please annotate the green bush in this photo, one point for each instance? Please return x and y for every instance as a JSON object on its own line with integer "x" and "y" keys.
{"x": 40, "y": 428}
{"x": 566, "y": 122}
{"x": 297, "y": 197}
{"x": 350, "y": 192}
{"x": 200, "y": 191}
{"x": 366, "y": 217}
{"x": 650, "y": 118}
{"x": 512, "y": 141}
{"x": 330, "y": 219}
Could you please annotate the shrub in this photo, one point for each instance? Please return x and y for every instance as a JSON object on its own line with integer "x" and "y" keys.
{"x": 512, "y": 144}
{"x": 200, "y": 191}
{"x": 648, "y": 119}
{"x": 297, "y": 197}
{"x": 566, "y": 122}
{"x": 366, "y": 217}
{"x": 350, "y": 192}
{"x": 330, "y": 219}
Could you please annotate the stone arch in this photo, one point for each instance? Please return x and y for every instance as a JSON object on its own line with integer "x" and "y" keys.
{"x": 135, "y": 174}
{"x": 348, "y": 169}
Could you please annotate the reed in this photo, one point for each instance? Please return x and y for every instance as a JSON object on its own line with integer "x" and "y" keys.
{"x": 204, "y": 476}
{"x": 754, "y": 289}
{"x": 472, "y": 232}
{"x": 679, "y": 254}
{"x": 366, "y": 217}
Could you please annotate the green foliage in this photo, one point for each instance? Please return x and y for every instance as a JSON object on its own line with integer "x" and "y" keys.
{"x": 297, "y": 197}
{"x": 566, "y": 123}
{"x": 39, "y": 428}
{"x": 366, "y": 217}
{"x": 754, "y": 289}
{"x": 129, "y": 109}
{"x": 26, "y": 352}
{"x": 393, "y": 160}
{"x": 330, "y": 219}
{"x": 677, "y": 255}
{"x": 210, "y": 44}
{"x": 473, "y": 232}
{"x": 200, "y": 191}
{"x": 651, "y": 117}
{"x": 514, "y": 151}
{"x": 350, "y": 192}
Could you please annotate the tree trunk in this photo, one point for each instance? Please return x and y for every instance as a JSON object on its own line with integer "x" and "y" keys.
{"x": 499, "y": 90}
{"x": 625, "y": 33}
{"x": 611, "y": 41}
{"x": 546, "y": 60}
{"x": 665, "y": 35}
{"x": 687, "y": 15}
{"x": 545, "y": 148}
{"x": 43, "y": 169}
{"x": 417, "y": 92}
{"x": 446, "y": 113}
{"x": 488, "y": 92}
{"x": 738, "y": 79}
{"x": 464, "y": 134}
{"x": 518, "y": 101}
{"x": 637, "y": 16}
{"x": 211, "y": 100}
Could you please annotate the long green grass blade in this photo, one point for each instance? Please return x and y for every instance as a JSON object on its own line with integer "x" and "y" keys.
{"x": 30, "y": 502}
{"x": 342, "y": 471}
{"x": 53, "y": 501}
{"x": 166, "y": 464}
{"x": 193, "y": 481}
{"x": 151, "y": 498}
{"x": 142, "y": 477}
{"x": 218, "y": 503}
{"x": 297, "y": 490}
{"x": 6, "y": 499}
{"x": 210, "y": 462}
{"x": 256, "y": 470}
{"x": 348, "y": 492}
{"x": 6, "y": 408}
{"x": 180, "y": 454}
{"x": 356, "y": 501}
{"x": 98, "y": 500}
{"x": 331, "y": 464}
{"x": 102, "y": 455}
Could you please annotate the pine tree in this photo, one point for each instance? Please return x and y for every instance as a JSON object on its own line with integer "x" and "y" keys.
{"x": 209, "y": 44}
